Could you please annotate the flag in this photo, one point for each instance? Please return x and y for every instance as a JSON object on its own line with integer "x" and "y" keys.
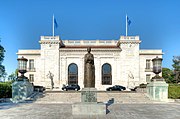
{"x": 128, "y": 21}
{"x": 55, "y": 23}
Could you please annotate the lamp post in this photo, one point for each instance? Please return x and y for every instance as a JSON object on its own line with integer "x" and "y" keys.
{"x": 22, "y": 66}
{"x": 157, "y": 68}
{"x": 157, "y": 89}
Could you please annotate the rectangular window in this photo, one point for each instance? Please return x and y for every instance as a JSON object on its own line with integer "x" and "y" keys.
{"x": 148, "y": 78}
{"x": 31, "y": 65}
{"x": 31, "y": 78}
{"x": 148, "y": 64}
{"x": 106, "y": 80}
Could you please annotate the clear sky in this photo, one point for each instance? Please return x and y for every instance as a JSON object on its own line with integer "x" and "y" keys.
{"x": 22, "y": 22}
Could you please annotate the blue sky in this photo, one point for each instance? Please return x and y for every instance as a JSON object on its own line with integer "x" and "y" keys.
{"x": 22, "y": 22}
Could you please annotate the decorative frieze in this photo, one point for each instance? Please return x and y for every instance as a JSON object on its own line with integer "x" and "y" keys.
{"x": 130, "y": 41}
{"x": 49, "y": 42}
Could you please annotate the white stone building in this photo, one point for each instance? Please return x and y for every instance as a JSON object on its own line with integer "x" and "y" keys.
{"x": 117, "y": 62}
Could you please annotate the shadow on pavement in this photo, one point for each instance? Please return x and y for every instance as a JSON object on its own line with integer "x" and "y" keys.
{"x": 110, "y": 102}
{"x": 9, "y": 104}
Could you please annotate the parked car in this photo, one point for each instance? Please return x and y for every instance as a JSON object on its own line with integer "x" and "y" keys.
{"x": 116, "y": 88}
{"x": 71, "y": 87}
{"x": 39, "y": 88}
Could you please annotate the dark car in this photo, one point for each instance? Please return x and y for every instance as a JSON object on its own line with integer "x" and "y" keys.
{"x": 71, "y": 87}
{"x": 39, "y": 88}
{"x": 116, "y": 88}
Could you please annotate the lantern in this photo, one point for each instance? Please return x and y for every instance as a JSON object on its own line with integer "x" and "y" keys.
{"x": 157, "y": 66}
{"x": 22, "y": 66}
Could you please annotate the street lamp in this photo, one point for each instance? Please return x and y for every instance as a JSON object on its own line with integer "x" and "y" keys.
{"x": 22, "y": 66}
{"x": 157, "y": 67}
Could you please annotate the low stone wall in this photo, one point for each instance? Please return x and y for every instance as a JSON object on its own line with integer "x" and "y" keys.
{"x": 141, "y": 90}
{"x": 177, "y": 100}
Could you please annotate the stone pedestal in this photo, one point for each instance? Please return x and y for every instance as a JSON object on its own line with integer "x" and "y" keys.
{"x": 158, "y": 90}
{"x": 21, "y": 90}
{"x": 89, "y": 95}
{"x": 89, "y": 109}
{"x": 88, "y": 104}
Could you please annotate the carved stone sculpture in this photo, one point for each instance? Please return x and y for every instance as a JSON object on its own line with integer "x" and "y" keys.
{"x": 89, "y": 70}
{"x": 50, "y": 75}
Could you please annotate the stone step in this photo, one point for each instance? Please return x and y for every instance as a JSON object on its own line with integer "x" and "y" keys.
{"x": 72, "y": 97}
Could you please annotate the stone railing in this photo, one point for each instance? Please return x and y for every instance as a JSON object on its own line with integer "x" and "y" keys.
{"x": 148, "y": 69}
{"x": 90, "y": 42}
{"x": 31, "y": 69}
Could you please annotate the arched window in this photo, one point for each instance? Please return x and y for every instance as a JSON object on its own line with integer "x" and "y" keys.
{"x": 72, "y": 74}
{"x": 106, "y": 74}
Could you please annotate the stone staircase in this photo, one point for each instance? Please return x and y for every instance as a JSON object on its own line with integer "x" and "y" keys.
{"x": 73, "y": 96}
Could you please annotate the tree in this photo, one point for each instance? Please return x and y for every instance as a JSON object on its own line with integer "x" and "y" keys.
{"x": 176, "y": 66}
{"x": 168, "y": 75}
{"x": 2, "y": 68}
{"x": 13, "y": 75}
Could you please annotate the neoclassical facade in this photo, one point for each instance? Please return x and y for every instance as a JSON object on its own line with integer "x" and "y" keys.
{"x": 117, "y": 62}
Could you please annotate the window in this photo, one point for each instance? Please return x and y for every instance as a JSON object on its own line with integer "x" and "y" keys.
{"x": 148, "y": 66}
{"x": 148, "y": 78}
{"x": 31, "y": 65}
{"x": 106, "y": 74}
{"x": 31, "y": 78}
{"x": 72, "y": 74}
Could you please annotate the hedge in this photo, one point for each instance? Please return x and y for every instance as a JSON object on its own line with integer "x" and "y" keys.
{"x": 5, "y": 90}
{"x": 174, "y": 91}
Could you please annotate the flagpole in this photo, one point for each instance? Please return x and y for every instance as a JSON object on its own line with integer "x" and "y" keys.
{"x": 126, "y": 25}
{"x": 53, "y": 25}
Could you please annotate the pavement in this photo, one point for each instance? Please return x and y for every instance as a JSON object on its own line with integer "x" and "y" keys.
{"x": 115, "y": 111}
{"x": 42, "y": 110}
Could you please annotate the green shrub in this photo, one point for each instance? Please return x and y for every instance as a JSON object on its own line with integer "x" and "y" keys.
{"x": 5, "y": 90}
{"x": 174, "y": 91}
{"x": 143, "y": 85}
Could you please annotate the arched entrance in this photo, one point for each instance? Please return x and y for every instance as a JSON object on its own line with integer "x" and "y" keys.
{"x": 72, "y": 74}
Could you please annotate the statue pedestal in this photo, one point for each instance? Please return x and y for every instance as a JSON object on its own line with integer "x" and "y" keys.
{"x": 21, "y": 90}
{"x": 89, "y": 104}
{"x": 158, "y": 90}
{"x": 89, "y": 95}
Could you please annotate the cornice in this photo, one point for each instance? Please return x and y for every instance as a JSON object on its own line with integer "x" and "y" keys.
{"x": 93, "y": 50}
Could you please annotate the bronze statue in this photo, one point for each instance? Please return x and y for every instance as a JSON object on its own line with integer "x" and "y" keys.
{"x": 89, "y": 70}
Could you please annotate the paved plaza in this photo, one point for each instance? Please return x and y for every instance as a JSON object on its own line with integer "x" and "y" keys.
{"x": 115, "y": 110}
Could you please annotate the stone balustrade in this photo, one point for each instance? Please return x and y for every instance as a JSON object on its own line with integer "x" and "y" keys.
{"x": 90, "y": 42}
